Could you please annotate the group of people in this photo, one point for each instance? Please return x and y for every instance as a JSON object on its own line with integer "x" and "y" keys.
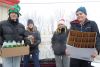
{"x": 12, "y": 30}
{"x": 82, "y": 24}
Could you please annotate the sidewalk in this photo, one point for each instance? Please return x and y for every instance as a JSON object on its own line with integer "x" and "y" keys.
{"x": 95, "y": 63}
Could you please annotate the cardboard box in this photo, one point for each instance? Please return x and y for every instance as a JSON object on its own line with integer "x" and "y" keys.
{"x": 82, "y": 39}
{"x": 15, "y": 51}
{"x": 81, "y": 53}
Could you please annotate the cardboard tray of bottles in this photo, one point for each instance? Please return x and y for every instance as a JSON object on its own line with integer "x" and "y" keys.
{"x": 82, "y": 39}
{"x": 14, "y": 51}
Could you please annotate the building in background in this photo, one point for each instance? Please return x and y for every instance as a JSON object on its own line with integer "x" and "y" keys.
{"x": 4, "y": 6}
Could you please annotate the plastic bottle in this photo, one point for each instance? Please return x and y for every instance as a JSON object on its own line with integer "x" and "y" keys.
{"x": 14, "y": 43}
{"x": 18, "y": 44}
{"x": 9, "y": 45}
{"x": 5, "y": 44}
{"x": 22, "y": 42}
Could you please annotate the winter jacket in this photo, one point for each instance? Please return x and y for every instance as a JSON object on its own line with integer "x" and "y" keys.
{"x": 10, "y": 31}
{"x": 88, "y": 26}
{"x": 59, "y": 43}
{"x": 36, "y": 34}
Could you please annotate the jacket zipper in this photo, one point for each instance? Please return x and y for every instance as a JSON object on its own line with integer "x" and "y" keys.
{"x": 81, "y": 28}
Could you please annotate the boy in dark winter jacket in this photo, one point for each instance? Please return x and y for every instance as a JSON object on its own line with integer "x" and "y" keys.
{"x": 34, "y": 41}
{"x": 82, "y": 24}
{"x": 12, "y": 30}
{"x": 59, "y": 45}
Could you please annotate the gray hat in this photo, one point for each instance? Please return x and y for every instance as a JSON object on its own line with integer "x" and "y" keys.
{"x": 30, "y": 21}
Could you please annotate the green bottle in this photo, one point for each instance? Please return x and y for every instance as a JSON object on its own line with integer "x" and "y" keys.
{"x": 4, "y": 44}
{"x": 18, "y": 44}
{"x": 9, "y": 45}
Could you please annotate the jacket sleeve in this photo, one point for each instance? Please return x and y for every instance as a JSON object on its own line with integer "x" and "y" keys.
{"x": 53, "y": 39}
{"x": 24, "y": 33}
{"x": 1, "y": 38}
{"x": 26, "y": 40}
{"x": 72, "y": 27}
{"x": 38, "y": 41}
{"x": 95, "y": 29}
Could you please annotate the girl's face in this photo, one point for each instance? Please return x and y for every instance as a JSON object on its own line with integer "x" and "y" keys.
{"x": 30, "y": 26}
{"x": 61, "y": 25}
{"x": 81, "y": 16}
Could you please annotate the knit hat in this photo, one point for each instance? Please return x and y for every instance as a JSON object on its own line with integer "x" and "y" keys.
{"x": 14, "y": 9}
{"x": 82, "y": 9}
{"x": 60, "y": 21}
{"x": 30, "y": 21}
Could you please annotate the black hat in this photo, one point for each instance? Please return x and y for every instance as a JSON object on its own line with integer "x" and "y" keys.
{"x": 30, "y": 21}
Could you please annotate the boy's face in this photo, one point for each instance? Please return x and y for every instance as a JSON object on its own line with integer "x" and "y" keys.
{"x": 61, "y": 25}
{"x": 81, "y": 16}
{"x": 13, "y": 16}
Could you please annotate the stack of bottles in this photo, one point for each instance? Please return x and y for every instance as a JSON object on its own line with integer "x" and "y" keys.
{"x": 11, "y": 44}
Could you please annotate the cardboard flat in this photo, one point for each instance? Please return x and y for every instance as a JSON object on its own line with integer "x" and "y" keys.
{"x": 15, "y": 51}
{"x": 81, "y": 53}
{"x": 82, "y": 39}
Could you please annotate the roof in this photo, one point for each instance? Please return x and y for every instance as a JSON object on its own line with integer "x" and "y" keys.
{"x": 9, "y": 2}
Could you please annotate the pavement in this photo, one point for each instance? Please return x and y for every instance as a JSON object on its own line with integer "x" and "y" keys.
{"x": 95, "y": 63}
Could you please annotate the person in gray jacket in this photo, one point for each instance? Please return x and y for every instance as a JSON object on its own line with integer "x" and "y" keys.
{"x": 59, "y": 45}
{"x": 34, "y": 41}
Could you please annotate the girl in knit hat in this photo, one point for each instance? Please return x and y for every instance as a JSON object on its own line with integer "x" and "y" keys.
{"x": 35, "y": 40}
{"x": 59, "y": 45}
